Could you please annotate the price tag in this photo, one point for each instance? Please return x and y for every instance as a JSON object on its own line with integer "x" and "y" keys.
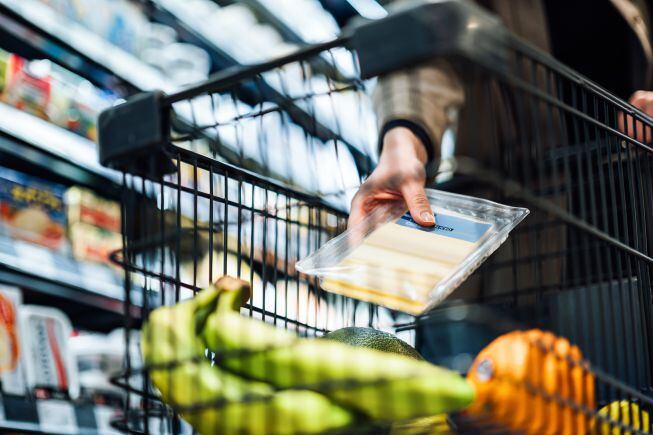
{"x": 56, "y": 416}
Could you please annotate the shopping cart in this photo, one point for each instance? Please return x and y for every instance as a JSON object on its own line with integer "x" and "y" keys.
{"x": 250, "y": 171}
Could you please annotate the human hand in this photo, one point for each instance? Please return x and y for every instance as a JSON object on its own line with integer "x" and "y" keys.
{"x": 643, "y": 100}
{"x": 397, "y": 181}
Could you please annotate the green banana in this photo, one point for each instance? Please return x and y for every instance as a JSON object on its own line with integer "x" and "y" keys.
{"x": 216, "y": 401}
{"x": 255, "y": 409}
{"x": 379, "y": 385}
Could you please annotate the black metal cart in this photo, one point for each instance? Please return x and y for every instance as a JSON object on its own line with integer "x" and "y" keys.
{"x": 578, "y": 157}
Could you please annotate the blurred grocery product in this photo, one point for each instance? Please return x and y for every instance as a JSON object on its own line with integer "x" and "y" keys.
{"x": 185, "y": 64}
{"x": 620, "y": 412}
{"x": 46, "y": 90}
{"x": 523, "y": 378}
{"x": 28, "y": 85}
{"x": 12, "y": 379}
{"x": 118, "y": 21}
{"x": 124, "y": 24}
{"x": 84, "y": 206}
{"x": 157, "y": 36}
{"x": 307, "y": 17}
{"x": 9, "y": 350}
{"x": 32, "y": 209}
{"x": 91, "y": 243}
{"x": 98, "y": 358}
{"x": 49, "y": 363}
{"x": 93, "y": 225}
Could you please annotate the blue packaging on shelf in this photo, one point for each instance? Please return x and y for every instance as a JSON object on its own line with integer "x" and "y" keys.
{"x": 32, "y": 209}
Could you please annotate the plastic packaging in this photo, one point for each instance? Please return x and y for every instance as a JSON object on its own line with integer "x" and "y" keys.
{"x": 390, "y": 260}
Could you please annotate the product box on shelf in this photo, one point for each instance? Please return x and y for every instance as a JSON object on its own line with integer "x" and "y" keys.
{"x": 48, "y": 91}
{"x": 28, "y": 86}
{"x": 84, "y": 206}
{"x": 91, "y": 243}
{"x": 93, "y": 225}
{"x": 49, "y": 363}
{"x": 44, "y": 390}
{"x": 75, "y": 103}
{"x": 99, "y": 357}
{"x": 32, "y": 209}
{"x": 50, "y": 369}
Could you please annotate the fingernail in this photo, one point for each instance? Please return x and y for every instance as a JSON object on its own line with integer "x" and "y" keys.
{"x": 427, "y": 217}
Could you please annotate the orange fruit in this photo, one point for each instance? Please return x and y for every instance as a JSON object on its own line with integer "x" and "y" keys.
{"x": 525, "y": 381}
{"x": 497, "y": 375}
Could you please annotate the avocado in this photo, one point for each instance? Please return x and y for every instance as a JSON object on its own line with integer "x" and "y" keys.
{"x": 373, "y": 339}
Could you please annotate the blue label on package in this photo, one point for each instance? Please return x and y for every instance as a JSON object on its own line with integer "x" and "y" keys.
{"x": 449, "y": 226}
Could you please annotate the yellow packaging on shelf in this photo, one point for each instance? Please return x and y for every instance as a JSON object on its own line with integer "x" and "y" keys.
{"x": 392, "y": 261}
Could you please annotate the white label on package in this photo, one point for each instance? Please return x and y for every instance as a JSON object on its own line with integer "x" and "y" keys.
{"x": 450, "y": 226}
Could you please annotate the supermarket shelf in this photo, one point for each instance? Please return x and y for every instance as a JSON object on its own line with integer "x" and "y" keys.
{"x": 21, "y": 427}
{"x": 269, "y": 17}
{"x": 55, "y": 149}
{"x": 174, "y": 14}
{"x": 288, "y": 34}
{"x": 88, "y": 54}
{"x": 24, "y": 415}
{"x": 76, "y": 47}
{"x": 71, "y": 285}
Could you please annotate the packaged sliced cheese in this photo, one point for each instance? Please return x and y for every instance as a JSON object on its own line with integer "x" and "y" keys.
{"x": 392, "y": 261}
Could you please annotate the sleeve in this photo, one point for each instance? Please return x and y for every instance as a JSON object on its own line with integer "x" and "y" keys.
{"x": 419, "y": 98}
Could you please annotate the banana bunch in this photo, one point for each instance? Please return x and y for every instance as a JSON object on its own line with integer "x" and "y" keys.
{"x": 267, "y": 380}
{"x": 216, "y": 401}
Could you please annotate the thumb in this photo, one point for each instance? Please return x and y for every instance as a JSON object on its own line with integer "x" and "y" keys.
{"x": 418, "y": 204}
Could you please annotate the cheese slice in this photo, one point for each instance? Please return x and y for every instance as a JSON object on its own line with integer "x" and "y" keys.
{"x": 401, "y": 262}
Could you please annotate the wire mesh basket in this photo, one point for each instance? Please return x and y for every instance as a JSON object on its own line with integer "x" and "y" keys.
{"x": 252, "y": 170}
